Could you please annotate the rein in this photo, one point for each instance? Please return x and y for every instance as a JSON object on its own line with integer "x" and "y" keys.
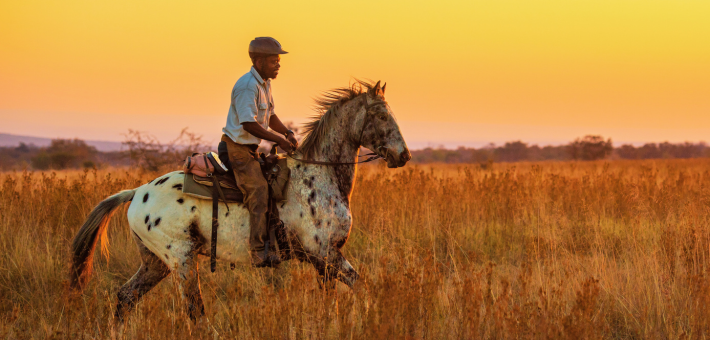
{"x": 373, "y": 155}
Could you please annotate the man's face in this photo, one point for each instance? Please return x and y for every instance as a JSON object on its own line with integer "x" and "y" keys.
{"x": 270, "y": 66}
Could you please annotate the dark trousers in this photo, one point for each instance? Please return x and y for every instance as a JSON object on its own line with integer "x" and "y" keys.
{"x": 251, "y": 182}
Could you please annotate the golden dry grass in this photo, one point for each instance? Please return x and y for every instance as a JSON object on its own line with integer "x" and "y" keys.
{"x": 530, "y": 250}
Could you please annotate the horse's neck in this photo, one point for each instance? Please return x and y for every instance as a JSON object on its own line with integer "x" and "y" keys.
{"x": 338, "y": 146}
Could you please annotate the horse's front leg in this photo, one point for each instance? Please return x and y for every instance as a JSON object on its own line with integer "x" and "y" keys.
{"x": 346, "y": 273}
{"x": 334, "y": 267}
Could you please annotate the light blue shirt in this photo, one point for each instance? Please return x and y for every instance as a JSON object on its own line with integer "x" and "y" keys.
{"x": 251, "y": 102}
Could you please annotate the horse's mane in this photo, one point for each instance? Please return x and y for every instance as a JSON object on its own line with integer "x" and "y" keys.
{"x": 326, "y": 107}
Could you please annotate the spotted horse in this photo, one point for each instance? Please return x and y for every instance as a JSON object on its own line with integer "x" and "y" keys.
{"x": 172, "y": 229}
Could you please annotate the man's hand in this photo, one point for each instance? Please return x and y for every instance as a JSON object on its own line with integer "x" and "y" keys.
{"x": 292, "y": 138}
{"x": 276, "y": 124}
{"x": 286, "y": 145}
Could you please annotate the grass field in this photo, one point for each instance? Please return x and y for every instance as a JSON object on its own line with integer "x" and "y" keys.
{"x": 577, "y": 250}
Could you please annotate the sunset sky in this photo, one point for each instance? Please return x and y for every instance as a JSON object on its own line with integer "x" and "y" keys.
{"x": 458, "y": 72}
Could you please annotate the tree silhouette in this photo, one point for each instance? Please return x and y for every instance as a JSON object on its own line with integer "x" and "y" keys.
{"x": 590, "y": 148}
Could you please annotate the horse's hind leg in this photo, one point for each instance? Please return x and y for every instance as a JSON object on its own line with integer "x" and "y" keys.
{"x": 190, "y": 287}
{"x": 151, "y": 272}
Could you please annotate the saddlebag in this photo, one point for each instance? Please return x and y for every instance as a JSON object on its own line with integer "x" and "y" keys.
{"x": 205, "y": 164}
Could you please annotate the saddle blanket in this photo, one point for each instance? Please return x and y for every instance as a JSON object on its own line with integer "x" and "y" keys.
{"x": 201, "y": 187}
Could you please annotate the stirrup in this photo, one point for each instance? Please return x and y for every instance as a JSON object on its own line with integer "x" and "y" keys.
{"x": 268, "y": 259}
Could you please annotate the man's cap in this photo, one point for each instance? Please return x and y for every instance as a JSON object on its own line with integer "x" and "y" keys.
{"x": 265, "y": 45}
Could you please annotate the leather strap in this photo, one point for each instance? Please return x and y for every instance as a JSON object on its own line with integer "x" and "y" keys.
{"x": 217, "y": 193}
{"x": 273, "y": 216}
{"x": 374, "y": 157}
{"x": 221, "y": 195}
{"x": 215, "y": 223}
{"x": 368, "y": 105}
{"x": 207, "y": 165}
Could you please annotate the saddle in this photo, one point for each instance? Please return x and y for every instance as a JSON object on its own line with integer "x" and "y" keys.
{"x": 206, "y": 178}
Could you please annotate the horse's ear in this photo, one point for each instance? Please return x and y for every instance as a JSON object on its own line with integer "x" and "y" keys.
{"x": 376, "y": 90}
{"x": 383, "y": 88}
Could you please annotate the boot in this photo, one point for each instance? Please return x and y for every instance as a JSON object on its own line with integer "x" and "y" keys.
{"x": 265, "y": 258}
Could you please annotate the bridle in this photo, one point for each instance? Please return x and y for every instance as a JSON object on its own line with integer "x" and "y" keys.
{"x": 373, "y": 155}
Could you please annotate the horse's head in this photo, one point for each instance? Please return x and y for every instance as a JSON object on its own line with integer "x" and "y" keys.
{"x": 380, "y": 132}
{"x": 350, "y": 117}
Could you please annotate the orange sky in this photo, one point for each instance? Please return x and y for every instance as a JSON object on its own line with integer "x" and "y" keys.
{"x": 458, "y": 73}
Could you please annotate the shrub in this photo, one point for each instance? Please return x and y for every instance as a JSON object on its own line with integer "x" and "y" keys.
{"x": 146, "y": 152}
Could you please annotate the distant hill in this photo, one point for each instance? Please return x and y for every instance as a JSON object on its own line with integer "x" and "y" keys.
{"x": 7, "y": 139}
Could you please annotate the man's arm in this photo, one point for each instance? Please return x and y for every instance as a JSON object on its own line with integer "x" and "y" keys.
{"x": 276, "y": 125}
{"x": 259, "y": 132}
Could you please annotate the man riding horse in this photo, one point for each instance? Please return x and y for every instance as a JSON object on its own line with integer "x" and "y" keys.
{"x": 251, "y": 114}
{"x": 171, "y": 227}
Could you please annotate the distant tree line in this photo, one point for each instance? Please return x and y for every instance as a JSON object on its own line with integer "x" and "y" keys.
{"x": 583, "y": 149}
{"x": 141, "y": 150}
{"x": 60, "y": 154}
{"x": 144, "y": 151}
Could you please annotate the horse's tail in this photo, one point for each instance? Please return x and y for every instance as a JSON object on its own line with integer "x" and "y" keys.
{"x": 94, "y": 227}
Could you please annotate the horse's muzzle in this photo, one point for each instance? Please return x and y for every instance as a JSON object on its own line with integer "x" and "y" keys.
{"x": 396, "y": 160}
{"x": 404, "y": 157}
